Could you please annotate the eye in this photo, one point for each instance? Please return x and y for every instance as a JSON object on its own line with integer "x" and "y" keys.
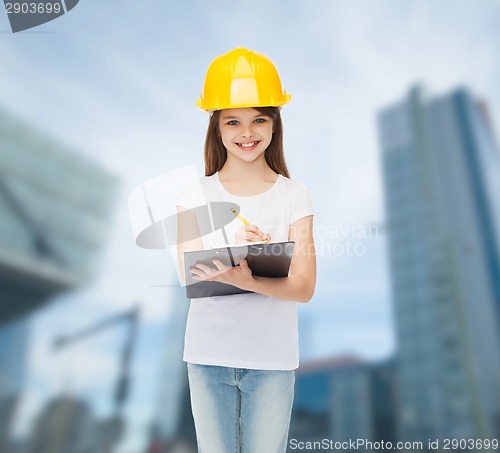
{"x": 260, "y": 120}
{"x": 233, "y": 123}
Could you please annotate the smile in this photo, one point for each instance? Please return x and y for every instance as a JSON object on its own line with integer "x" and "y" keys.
{"x": 248, "y": 145}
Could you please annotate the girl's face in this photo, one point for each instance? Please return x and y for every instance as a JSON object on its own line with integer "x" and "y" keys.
{"x": 245, "y": 133}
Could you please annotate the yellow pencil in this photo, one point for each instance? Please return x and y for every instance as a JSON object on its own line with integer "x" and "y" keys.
{"x": 235, "y": 212}
{"x": 245, "y": 221}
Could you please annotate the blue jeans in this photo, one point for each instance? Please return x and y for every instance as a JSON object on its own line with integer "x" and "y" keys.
{"x": 237, "y": 410}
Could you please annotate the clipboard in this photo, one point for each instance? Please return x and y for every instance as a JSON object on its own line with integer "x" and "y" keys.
{"x": 264, "y": 259}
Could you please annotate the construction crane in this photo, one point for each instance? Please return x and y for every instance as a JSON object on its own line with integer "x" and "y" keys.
{"x": 110, "y": 430}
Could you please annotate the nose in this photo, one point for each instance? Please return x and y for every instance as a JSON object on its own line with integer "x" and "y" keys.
{"x": 247, "y": 131}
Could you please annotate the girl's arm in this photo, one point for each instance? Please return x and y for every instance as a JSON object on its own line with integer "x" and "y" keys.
{"x": 297, "y": 287}
{"x": 300, "y": 283}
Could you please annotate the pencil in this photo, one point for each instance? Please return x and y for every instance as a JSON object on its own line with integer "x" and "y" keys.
{"x": 235, "y": 212}
{"x": 245, "y": 221}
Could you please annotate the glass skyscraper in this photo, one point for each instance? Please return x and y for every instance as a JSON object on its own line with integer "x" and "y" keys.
{"x": 441, "y": 175}
{"x": 13, "y": 347}
{"x": 55, "y": 208}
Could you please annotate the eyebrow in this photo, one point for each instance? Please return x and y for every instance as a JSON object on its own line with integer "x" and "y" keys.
{"x": 232, "y": 117}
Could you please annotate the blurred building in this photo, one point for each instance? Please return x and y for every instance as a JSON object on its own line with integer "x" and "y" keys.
{"x": 13, "y": 360}
{"x": 173, "y": 428}
{"x": 344, "y": 398}
{"x": 65, "y": 425}
{"x": 441, "y": 173}
{"x": 55, "y": 209}
{"x": 363, "y": 404}
{"x": 14, "y": 339}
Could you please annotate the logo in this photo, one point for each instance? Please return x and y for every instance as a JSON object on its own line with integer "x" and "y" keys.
{"x": 31, "y": 13}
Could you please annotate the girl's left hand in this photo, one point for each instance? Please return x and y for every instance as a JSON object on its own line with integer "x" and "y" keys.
{"x": 239, "y": 276}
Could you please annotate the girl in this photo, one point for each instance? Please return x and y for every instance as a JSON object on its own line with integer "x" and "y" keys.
{"x": 241, "y": 350}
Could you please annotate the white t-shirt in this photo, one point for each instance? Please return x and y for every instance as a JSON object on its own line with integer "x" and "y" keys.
{"x": 247, "y": 330}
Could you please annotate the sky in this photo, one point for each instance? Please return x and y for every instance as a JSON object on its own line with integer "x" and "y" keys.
{"x": 118, "y": 83}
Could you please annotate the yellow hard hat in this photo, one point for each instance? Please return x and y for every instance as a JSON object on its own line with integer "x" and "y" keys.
{"x": 242, "y": 78}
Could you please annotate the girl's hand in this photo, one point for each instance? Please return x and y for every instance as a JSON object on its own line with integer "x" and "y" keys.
{"x": 251, "y": 233}
{"x": 239, "y": 276}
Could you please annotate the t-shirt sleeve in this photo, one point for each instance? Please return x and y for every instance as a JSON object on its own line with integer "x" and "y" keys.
{"x": 301, "y": 203}
{"x": 191, "y": 194}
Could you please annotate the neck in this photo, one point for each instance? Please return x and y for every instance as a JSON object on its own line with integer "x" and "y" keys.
{"x": 248, "y": 171}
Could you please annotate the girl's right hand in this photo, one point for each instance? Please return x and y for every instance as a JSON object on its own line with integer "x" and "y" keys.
{"x": 251, "y": 233}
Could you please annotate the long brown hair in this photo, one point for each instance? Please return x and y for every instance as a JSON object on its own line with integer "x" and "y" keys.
{"x": 216, "y": 154}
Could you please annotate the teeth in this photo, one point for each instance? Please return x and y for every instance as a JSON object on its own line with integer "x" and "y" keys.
{"x": 247, "y": 145}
